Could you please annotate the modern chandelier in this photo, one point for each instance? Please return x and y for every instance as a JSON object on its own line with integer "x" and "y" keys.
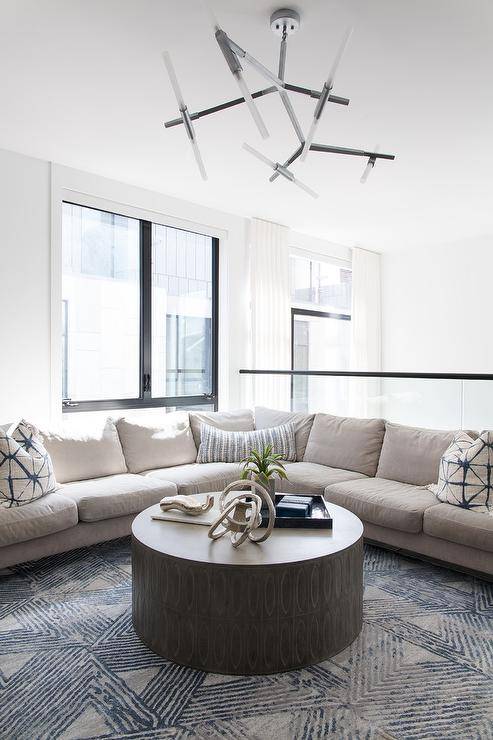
{"x": 283, "y": 22}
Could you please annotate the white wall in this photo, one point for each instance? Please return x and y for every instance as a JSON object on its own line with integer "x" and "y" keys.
{"x": 437, "y": 305}
{"x": 436, "y": 308}
{"x": 24, "y": 287}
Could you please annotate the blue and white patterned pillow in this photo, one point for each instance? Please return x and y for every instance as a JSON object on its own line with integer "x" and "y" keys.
{"x": 217, "y": 445}
{"x": 465, "y": 476}
{"x": 26, "y": 470}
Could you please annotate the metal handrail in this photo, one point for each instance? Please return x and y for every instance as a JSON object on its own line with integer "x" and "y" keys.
{"x": 371, "y": 374}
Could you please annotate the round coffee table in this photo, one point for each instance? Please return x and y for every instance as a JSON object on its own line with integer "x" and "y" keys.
{"x": 291, "y": 601}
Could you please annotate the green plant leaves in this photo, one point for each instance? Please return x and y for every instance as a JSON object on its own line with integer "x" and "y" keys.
{"x": 263, "y": 464}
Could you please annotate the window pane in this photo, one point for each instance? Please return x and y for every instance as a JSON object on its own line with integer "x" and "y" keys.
{"x": 101, "y": 304}
{"x": 319, "y": 343}
{"x": 321, "y": 284}
{"x": 181, "y": 312}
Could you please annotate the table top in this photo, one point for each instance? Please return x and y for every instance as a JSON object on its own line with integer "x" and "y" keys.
{"x": 190, "y": 541}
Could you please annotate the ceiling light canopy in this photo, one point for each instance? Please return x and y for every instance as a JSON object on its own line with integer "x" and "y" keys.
{"x": 283, "y": 23}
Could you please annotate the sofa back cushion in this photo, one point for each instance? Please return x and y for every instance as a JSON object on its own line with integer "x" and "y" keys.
{"x": 217, "y": 445}
{"x": 157, "y": 443}
{"x": 79, "y": 454}
{"x": 411, "y": 454}
{"x": 345, "y": 442}
{"x": 228, "y": 421}
{"x": 265, "y": 418}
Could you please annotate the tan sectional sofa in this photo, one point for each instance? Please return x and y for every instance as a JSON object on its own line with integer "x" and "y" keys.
{"x": 374, "y": 468}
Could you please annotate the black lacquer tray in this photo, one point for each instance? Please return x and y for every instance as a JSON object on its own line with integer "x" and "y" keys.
{"x": 320, "y": 517}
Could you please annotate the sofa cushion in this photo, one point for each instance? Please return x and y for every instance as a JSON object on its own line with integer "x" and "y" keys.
{"x": 459, "y": 525}
{"x": 217, "y": 445}
{"x": 412, "y": 455}
{"x": 384, "y": 502}
{"x": 157, "y": 443}
{"x": 115, "y": 495}
{"x": 47, "y": 515}
{"x": 344, "y": 442}
{"x": 265, "y": 418}
{"x": 305, "y": 477}
{"x": 198, "y": 477}
{"x": 26, "y": 470}
{"x": 229, "y": 421}
{"x": 81, "y": 453}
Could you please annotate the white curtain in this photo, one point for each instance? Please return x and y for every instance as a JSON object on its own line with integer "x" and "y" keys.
{"x": 270, "y": 312}
{"x": 366, "y": 332}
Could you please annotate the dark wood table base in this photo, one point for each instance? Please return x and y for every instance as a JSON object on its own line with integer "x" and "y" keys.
{"x": 244, "y": 619}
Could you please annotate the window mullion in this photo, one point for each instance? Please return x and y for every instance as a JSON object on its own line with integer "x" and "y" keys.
{"x": 145, "y": 309}
{"x": 215, "y": 322}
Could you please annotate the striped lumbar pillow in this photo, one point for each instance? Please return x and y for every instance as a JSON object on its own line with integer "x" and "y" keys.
{"x": 217, "y": 445}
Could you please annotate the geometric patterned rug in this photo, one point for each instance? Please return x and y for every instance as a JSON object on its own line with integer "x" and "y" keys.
{"x": 72, "y": 667}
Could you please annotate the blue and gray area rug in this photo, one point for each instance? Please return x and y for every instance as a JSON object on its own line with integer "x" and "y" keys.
{"x": 72, "y": 667}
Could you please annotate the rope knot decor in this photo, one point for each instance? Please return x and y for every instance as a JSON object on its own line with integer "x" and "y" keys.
{"x": 240, "y": 515}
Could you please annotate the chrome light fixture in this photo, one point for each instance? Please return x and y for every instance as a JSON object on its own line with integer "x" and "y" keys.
{"x": 283, "y": 23}
{"x": 279, "y": 169}
{"x": 185, "y": 115}
{"x": 324, "y": 95}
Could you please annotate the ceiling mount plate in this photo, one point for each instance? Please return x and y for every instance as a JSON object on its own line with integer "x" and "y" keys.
{"x": 284, "y": 17}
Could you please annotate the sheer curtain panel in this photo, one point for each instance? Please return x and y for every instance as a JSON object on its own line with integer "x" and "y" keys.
{"x": 270, "y": 312}
{"x": 366, "y": 332}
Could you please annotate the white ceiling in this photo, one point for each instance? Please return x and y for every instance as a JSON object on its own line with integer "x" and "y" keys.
{"x": 83, "y": 84}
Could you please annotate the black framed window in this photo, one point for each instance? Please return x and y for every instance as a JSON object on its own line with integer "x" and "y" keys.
{"x": 139, "y": 319}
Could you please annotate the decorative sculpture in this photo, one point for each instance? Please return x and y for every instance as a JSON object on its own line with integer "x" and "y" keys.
{"x": 241, "y": 515}
{"x": 187, "y": 504}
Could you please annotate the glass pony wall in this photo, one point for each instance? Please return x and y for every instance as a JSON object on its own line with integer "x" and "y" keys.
{"x": 438, "y": 402}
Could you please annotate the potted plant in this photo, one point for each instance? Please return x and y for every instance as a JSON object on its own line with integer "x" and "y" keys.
{"x": 263, "y": 466}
